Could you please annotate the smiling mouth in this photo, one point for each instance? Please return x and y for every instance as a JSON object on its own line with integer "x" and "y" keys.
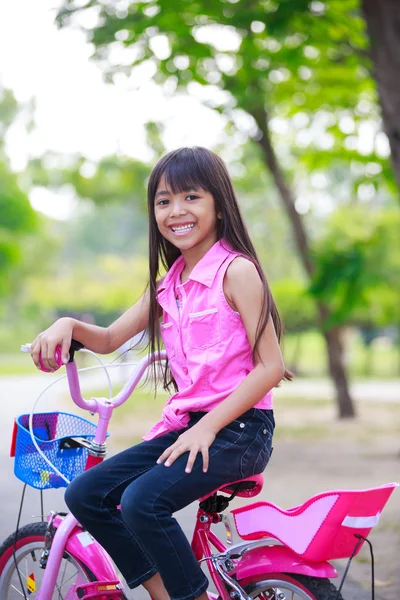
{"x": 183, "y": 228}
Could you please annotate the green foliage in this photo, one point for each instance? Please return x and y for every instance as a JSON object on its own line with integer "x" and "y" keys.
{"x": 17, "y": 218}
{"x": 358, "y": 266}
{"x": 293, "y": 61}
{"x": 286, "y": 59}
{"x": 8, "y": 111}
{"x": 296, "y": 307}
{"x": 113, "y": 179}
{"x": 154, "y": 133}
{"x": 17, "y": 215}
{"x": 9, "y": 256}
{"x": 114, "y": 228}
{"x": 302, "y": 63}
{"x": 108, "y": 285}
{"x": 306, "y": 352}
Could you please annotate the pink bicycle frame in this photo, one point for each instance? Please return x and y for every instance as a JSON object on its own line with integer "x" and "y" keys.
{"x": 68, "y": 528}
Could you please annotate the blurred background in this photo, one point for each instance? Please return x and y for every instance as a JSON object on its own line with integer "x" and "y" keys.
{"x": 302, "y": 100}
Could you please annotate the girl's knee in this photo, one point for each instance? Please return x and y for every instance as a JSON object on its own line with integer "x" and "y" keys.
{"x": 78, "y": 495}
{"x": 137, "y": 509}
{"x": 70, "y": 496}
{"x": 130, "y": 507}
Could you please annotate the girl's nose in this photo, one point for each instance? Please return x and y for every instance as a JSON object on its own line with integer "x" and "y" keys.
{"x": 177, "y": 209}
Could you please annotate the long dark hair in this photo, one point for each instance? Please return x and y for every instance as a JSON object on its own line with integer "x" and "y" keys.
{"x": 185, "y": 169}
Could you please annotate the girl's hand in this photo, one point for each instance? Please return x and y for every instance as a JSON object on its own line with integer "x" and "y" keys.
{"x": 197, "y": 439}
{"x": 59, "y": 334}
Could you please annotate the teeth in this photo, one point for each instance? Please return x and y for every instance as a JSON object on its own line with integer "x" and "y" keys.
{"x": 183, "y": 228}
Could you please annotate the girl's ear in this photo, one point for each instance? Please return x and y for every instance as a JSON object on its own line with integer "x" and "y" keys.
{"x": 219, "y": 215}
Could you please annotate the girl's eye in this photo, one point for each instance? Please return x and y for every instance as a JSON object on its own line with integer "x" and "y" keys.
{"x": 191, "y": 197}
{"x": 162, "y": 202}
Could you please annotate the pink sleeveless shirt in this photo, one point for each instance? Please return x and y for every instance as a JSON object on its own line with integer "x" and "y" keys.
{"x": 205, "y": 339}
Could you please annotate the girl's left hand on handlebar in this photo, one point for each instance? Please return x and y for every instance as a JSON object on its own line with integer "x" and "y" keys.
{"x": 43, "y": 348}
{"x": 195, "y": 440}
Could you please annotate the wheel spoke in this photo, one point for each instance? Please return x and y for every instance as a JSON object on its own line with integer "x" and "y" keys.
{"x": 58, "y": 587}
{"x": 22, "y": 575}
{"x": 17, "y": 590}
{"x": 25, "y": 563}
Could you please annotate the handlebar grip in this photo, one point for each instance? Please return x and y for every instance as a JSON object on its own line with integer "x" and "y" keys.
{"x": 57, "y": 357}
{"x": 75, "y": 347}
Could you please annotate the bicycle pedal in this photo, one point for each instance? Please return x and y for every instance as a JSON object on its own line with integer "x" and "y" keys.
{"x": 100, "y": 590}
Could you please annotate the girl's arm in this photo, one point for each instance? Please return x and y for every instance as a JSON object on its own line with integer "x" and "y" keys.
{"x": 244, "y": 292}
{"x": 102, "y": 340}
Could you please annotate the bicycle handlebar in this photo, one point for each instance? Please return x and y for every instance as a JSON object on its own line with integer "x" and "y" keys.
{"x": 102, "y": 406}
{"x": 123, "y": 395}
{"x": 92, "y": 404}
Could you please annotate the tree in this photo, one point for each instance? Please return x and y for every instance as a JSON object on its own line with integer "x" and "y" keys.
{"x": 257, "y": 59}
{"x": 358, "y": 266}
{"x": 383, "y": 22}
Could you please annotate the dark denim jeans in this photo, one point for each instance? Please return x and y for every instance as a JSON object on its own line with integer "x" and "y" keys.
{"x": 142, "y": 537}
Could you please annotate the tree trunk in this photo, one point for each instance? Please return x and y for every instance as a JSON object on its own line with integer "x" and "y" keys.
{"x": 338, "y": 372}
{"x": 334, "y": 348}
{"x": 295, "y": 358}
{"x": 383, "y": 24}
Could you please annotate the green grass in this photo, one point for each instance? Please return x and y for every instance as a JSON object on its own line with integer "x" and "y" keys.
{"x": 16, "y": 364}
{"x": 308, "y": 352}
{"x": 142, "y": 405}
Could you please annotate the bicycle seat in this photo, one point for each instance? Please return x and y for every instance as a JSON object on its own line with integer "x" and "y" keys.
{"x": 245, "y": 488}
{"x": 323, "y": 528}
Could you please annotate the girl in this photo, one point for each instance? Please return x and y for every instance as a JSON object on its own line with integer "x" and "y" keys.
{"x": 220, "y": 328}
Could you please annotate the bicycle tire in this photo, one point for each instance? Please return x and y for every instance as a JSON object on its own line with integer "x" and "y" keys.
{"x": 300, "y": 587}
{"x": 29, "y": 545}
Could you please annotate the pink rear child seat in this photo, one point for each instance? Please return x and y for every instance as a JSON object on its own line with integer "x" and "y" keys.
{"x": 323, "y": 527}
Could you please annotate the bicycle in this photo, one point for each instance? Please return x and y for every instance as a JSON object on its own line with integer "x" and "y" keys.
{"x": 280, "y": 555}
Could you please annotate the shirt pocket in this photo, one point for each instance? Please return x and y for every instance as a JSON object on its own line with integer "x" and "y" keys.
{"x": 204, "y": 329}
{"x": 168, "y": 334}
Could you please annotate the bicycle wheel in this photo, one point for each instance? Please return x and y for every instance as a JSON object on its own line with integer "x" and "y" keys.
{"x": 282, "y": 586}
{"x": 30, "y": 544}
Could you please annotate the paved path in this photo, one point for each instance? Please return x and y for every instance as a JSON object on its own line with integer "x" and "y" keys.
{"x": 17, "y": 395}
{"x": 373, "y": 390}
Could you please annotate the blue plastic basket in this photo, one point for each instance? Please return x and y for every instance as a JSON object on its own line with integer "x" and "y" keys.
{"x": 54, "y": 433}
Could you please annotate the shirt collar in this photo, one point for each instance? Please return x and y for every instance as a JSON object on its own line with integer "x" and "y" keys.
{"x": 177, "y": 267}
{"x": 206, "y": 269}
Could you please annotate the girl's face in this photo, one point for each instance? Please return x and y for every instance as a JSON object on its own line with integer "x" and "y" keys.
{"x": 186, "y": 219}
